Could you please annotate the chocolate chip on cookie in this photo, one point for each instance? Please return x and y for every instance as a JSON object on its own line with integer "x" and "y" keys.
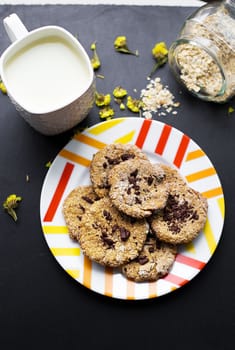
{"x": 154, "y": 261}
{"x": 183, "y": 217}
{"x": 173, "y": 177}
{"x": 108, "y": 157}
{"x": 74, "y": 207}
{"x": 137, "y": 188}
{"x": 109, "y": 237}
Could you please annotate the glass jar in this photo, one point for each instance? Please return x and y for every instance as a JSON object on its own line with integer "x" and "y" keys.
{"x": 203, "y": 56}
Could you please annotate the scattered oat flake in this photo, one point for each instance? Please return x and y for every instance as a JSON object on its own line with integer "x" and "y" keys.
{"x": 101, "y": 76}
{"x": 157, "y": 98}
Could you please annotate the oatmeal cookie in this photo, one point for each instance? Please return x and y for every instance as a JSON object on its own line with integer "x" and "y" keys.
{"x": 183, "y": 217}
{"x": 154, "y": 261}
{"x": 106, "y": 159}
{"x": 138, "y": 188}
{"x": 109, "y": 237}
{"x": 173, "y": 177}
{"x": 74, "y": 207}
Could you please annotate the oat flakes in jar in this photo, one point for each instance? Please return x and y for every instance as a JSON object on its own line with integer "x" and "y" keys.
{"x": 203, "y": 56}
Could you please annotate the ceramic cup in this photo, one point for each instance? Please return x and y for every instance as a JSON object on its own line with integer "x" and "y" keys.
{"x": 48, "y": 76}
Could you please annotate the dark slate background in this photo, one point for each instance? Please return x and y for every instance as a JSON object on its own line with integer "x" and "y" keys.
{"x": 41, "y": 307}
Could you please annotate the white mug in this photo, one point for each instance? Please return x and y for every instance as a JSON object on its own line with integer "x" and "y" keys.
{"x": 48, "y": 76}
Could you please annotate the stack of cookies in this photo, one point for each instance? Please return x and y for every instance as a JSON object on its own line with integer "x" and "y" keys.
{"x": 134, "y": 214}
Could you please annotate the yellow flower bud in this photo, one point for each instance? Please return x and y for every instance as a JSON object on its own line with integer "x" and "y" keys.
{"x": 3, "y": 88}
{"x": 119, "y": 92}
{"x": 133, "y": 105}
{"x": 120, "y": 45}
{"x": 160, "y": 50}
{"x": 106, "y": 113}
{"x": 10, "y": 204}
{"x": 102, "y": 100}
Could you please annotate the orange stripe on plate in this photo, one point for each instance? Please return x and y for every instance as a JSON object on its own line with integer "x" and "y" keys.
{"x": 87, "y": 272}
{"x": 143, "y": 133}
{"x": 194, "y": 154}
{"x": 108, "y": 281}
{"x": 163, "y": 139}
{"x": 197, "y": 264}
{"x": 201, "y": 174}
{"x": 181, "y": 151}
{"x": 130, "y": 290}
{"x": 213, "y": 193}
{"x": 58, "y": 192}
{"x": 175, "y": 279}
{"x": 75, "y": 158}
{"x": 89, "y": 141}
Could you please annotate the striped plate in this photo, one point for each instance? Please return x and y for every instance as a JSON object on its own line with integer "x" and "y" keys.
{"x": 162, "y": 143}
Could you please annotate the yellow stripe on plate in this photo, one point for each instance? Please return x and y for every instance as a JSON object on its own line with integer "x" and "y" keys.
{"x": 210, "y": 239}
{"x": 55, "y": 230}
{"x": 100, "y": 128}
{"x": 75, "y": 273}
{"x": 220, "y": 202}
{"x": 75, "y": 251}
{"x": 126, "y": 138}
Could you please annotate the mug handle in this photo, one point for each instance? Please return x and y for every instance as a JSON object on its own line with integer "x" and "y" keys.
{"x": 14, "y": 27}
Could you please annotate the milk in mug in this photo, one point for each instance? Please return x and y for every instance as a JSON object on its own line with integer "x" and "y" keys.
{"x": 47, "y": 74}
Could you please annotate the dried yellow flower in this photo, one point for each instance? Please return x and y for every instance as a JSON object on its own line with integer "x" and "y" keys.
{"x": 106, "y": 113}
{"x": 3, "y": 88}
{"x": 230, "y": 110}
{"x": 119, "y": 92}
{"x": 10, "y": 204}
{"x": 48, "y": 164}
{"x": 120, "y": 45}
{"x": 102, "y": 100}
{"x": 160, "y": 51}
{"x": 122, "y": 106}
{"x": 93, "y": 46}
{"x": 160, "y": 54}
{"x": 133, "y": 104}
{"x": 95, "y": 60}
